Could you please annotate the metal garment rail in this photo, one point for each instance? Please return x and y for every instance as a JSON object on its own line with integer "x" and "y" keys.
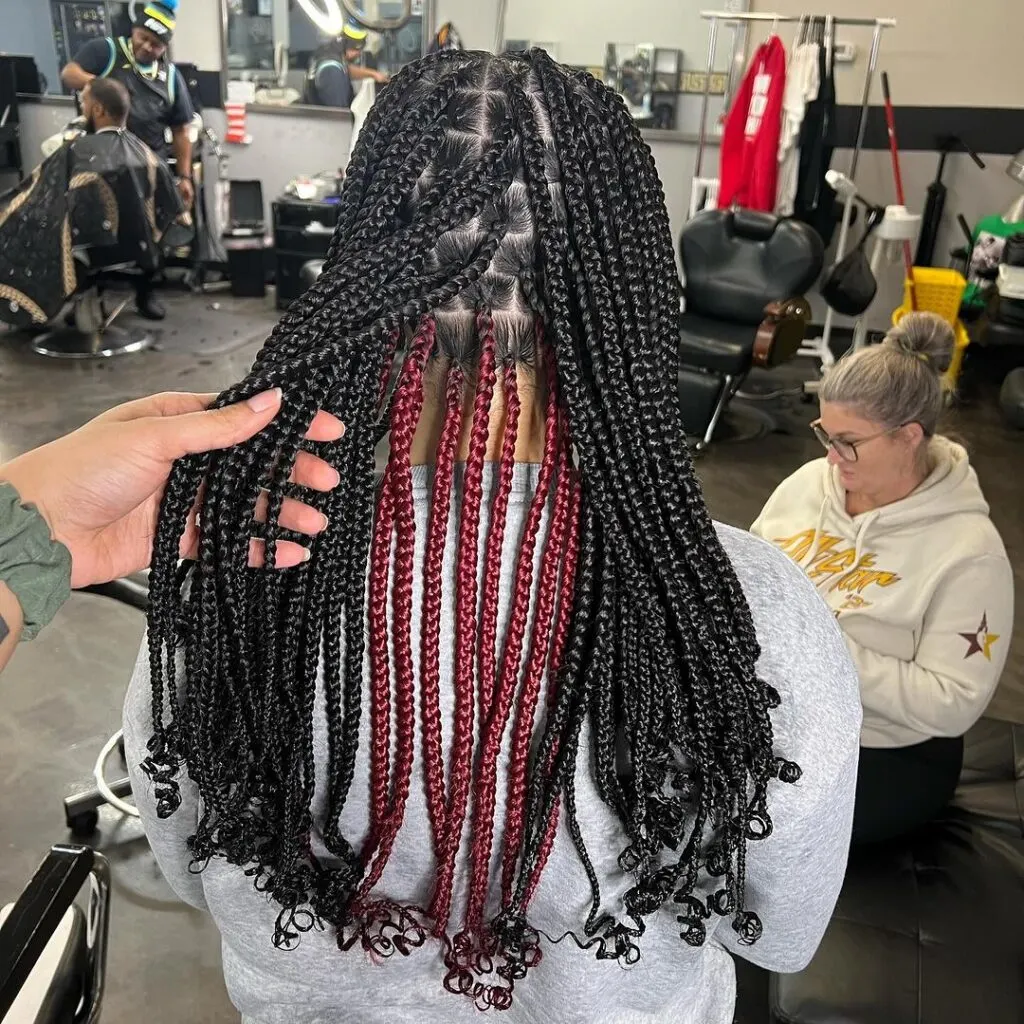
{"x": 740, "y": 24}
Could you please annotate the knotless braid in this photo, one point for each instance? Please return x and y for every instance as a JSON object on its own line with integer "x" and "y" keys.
{"x": 501, "y": 220}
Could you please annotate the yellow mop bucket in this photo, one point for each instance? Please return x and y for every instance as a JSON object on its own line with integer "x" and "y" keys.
{"x": 940, "y": 291}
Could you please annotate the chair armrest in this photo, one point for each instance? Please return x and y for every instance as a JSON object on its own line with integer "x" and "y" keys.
{"x": 125, "y": 591}
{"x": 781, "y": 332}
{"x": 40, "y": 909}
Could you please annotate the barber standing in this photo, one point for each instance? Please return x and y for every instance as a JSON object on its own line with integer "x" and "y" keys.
{"x": 334, "y": 69}
{"x": 159, "y": 100}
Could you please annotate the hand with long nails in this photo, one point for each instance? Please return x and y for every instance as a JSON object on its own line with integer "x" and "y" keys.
{"x": 100, "y": 488}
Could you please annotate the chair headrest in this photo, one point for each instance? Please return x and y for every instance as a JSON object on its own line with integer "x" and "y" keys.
{"x": 737, "y": 261}
{"x": 752, "y": 224}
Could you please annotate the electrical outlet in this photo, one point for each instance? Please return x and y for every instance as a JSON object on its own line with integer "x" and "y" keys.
{"x": 846, "y": 53}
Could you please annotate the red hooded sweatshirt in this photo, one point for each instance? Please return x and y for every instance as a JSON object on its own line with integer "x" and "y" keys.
{"x": 750, "y": 143}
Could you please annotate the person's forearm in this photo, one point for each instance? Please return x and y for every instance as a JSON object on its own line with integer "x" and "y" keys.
{"x": 904, "y": 692}
{"x": 10, "y": 624}
{"x": 75, "y": 77}
{"x": 357, "y": 73}
{"x": 181, "y": 145}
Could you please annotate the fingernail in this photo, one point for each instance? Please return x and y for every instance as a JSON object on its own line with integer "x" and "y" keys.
{"x": 336, "y": 482}
{"x": 343, "y": 429}
{"x": 326, "y": 522}
{"x": 264, "y": 400}
{"x": 307, "y": 554}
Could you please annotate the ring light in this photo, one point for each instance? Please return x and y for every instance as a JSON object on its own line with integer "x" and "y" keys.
{"x": 325, "y": 14}
{"x": 379, "y": 24}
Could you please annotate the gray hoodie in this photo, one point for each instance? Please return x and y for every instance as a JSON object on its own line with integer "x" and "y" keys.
{"x": 793, "y": 878}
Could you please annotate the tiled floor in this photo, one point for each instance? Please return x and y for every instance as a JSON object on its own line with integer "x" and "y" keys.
{"x": 61, "y": 697}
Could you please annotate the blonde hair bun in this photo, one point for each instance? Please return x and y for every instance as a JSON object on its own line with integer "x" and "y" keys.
{"x": 924, "y": 336}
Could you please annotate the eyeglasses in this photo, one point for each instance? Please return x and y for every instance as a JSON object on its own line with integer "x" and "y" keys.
{"x": 847, "y": 450}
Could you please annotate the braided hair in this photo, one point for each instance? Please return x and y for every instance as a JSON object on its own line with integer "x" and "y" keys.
{"x": 500, "y": 213}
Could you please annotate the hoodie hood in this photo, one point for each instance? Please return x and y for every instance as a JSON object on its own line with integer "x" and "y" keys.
{"x": 951, "y": 488}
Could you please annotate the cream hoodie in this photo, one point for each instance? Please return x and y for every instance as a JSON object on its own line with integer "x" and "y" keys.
{"x": 922, "y": 590}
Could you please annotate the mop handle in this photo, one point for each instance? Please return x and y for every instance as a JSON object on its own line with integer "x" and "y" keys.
{"x": 890, "y": 123}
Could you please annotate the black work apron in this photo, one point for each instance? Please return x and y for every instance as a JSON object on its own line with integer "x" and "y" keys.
{"x": 152, "y": 96}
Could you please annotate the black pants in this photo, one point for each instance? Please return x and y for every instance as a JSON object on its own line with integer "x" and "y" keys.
{"x": 899, "y": 789}
{"x": 144, "y": 284}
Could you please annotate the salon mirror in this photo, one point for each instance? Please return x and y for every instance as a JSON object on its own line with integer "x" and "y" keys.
{"x": 280, "y": 53}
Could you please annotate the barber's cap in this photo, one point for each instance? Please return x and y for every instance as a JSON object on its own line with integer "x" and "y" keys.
{"x": 354, "y": 34}
{"x": 158, "y": 17}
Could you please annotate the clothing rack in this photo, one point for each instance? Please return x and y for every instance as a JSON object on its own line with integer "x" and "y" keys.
{"x": 740, "y": 23}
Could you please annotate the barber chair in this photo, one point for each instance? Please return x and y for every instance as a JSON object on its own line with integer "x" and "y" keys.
{"x": 88, "y": 330}
{"x": 81, "y": 811}
{"x": 52, "y": 953}
{"x": 1011, "y": 398}
{"x": 745, "y": 276}
{"x": 929, "y": 929}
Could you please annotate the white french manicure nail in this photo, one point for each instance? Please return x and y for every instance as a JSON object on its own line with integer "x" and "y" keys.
{"x": 265, "y": 400}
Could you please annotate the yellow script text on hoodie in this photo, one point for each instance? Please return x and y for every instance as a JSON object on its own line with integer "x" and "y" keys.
{"x": 922, "y": 589}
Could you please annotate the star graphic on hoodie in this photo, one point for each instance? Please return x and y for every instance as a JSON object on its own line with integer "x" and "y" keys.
{"x": 980, "y": 641}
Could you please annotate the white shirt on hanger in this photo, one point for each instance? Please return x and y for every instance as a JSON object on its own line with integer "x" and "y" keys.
{"x": 802, "y": 85}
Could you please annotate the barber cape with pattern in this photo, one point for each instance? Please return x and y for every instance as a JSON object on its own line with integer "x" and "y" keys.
{"x": 100, "y": 200}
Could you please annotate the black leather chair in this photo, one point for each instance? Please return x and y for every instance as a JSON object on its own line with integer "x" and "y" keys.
{"x": 931, "y": 929}
{"x": 735, "y": 264}
{"x": 309, "y": 273}
{"x": 52, "y": 954}
{"x": 1000, "y": 331}
{"x": 1011, "y": 398}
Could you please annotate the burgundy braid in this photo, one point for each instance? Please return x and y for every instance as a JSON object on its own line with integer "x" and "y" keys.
{"x": 466, "y": 627}
{"x": 404, "y": 418}
{"x": 430, "y": 629}
{"x": 494, "y": 728}
{"x": 380, "y": 668}
{"x": 495, "y": 541}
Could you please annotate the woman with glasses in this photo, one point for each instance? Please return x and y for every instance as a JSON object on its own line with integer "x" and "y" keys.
{"x": 894, "y": 531}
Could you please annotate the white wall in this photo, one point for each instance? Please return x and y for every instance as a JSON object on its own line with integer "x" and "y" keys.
{"x": 476, "y": 20}
{"x": 938, "y": 55}
{"x": 284, "y": 146}
{"x": 197, "y": 34}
